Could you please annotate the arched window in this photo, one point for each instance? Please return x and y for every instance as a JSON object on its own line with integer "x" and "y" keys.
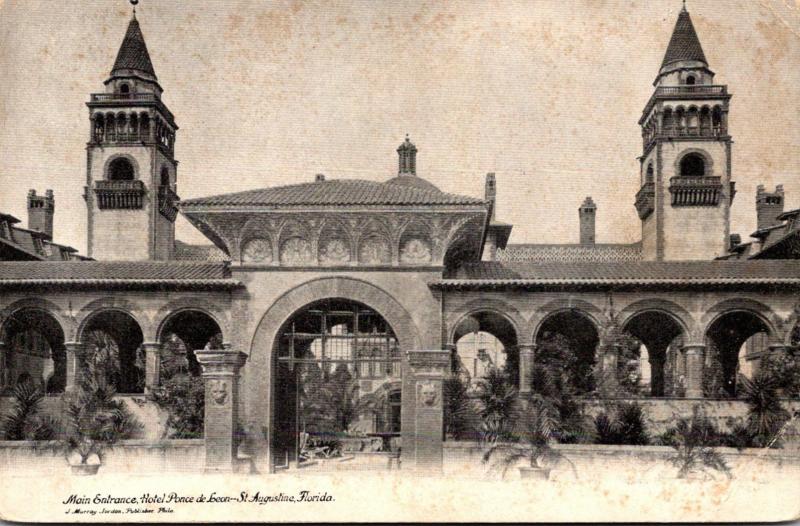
{"x": 124, "y": 89}
{"x": 99, "y": 127}
{"x": 668, "y": 123}
{"x": 164, "y": 176}
{"x": 144, "y": 123}
{"x": 121, "y": 169}
{"x": 693, "y": 165}
{"x": 690, "y": 80}
{"x": 649, "y": 179}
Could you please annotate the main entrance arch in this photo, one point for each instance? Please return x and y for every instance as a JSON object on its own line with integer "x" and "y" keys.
{"x": 337, "y": 383}
{"x": 260, "y": 378}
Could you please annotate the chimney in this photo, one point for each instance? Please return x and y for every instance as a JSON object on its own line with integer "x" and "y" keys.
{"x": 769, "y": 205}
{"x": 407, "y": 158}
{"x": 490, "y": 192}
{"x": 586, "y": 214}
{"x": 40, "y": 212}
{"x": 319, "y": 178}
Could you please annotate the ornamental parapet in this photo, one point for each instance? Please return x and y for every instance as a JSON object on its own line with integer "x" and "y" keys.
{"x": 645, "y": 200}
{"x": 168, "y": 202}
{"x": 119, "y": 194}
{"x": 695, "y": 191}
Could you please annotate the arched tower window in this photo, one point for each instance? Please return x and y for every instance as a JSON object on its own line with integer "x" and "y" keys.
{"x": 120, "y": 169}
{"x": 690, "y": 80}
{"x": 693, "y": 165}
{"x": 124, "y": 89}
{"x": 649, "y": 178}
{"x": 164, "y": 176}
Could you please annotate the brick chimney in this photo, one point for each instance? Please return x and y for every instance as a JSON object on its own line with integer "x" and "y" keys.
{"x": 586, "y": 214}
{"x": 769, "y": 205}
{"x": 490, "y": 192}
{"x": 40, "y": 212}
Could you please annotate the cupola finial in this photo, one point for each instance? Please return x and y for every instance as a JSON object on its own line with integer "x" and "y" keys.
{"x": 133, "y": 3}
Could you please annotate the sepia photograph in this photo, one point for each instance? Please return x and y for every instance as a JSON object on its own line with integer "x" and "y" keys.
{"x": 372, "y": 260}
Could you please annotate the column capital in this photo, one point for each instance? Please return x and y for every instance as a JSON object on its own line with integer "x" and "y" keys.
{"x": 449, "y": 347}
{"x": 154, "y": 346}
{"x": 526, "y": 347}
{"x": 434, "y": 360}
{"x": 75, "y": 347}
{"x": 220, "y": 362}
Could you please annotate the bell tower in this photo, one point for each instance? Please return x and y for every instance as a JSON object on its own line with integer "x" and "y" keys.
{"x": 685, "y": 172}
{"x": 131, "y": 168}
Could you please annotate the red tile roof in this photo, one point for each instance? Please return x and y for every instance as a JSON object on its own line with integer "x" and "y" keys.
{"x": 634, "y": 273}
{"x": 684, "y": 44}
{"x": 337, "y": 192}
{"x": 133, "y": 52}
{"x": 109, "y": 274}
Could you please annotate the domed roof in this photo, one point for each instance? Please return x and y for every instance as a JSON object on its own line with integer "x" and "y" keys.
{"x": 414, "y": 182}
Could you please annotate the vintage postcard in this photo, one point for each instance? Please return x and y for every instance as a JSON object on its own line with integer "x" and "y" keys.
{"x": 502, "y": 260}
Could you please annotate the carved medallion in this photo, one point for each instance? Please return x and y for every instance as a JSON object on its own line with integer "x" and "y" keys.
{"x": 374, "y": 251}
{"x": 219, "y": 391}
{"x": 415, "y": 251}
{"x": 334, "y": 251}
{"x": 257, "y": 250}
{"x": 296, "y": 251}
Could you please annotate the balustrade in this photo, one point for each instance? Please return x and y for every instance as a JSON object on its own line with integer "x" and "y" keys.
{"x": 645, "y": 200}
{"x": 695, "y": 191}
{"x": 119, "y": 194}
{"x": 168, "y": 202}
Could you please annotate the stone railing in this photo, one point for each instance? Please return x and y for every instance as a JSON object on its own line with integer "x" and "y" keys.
{"x": 119, "y": 194}
{"x": 685, "y": 92}
{"x": 117, "y": 99}
{"x": 645, "y": 200}
{"x": 168, "y": 202}
{"x": 695, "y": 191}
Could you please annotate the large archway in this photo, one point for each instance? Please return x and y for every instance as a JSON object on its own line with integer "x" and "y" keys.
{"x": 337, "y": 369}
{"x": 659, "y": 362}
{"x": 34, "y": 342}
{"x": 725, "y": 337}
{"x": 182, "y": 333}
{"x": 486, "y": 339}
{"x": 114, "y": 343}
{"x": 566, "y": 343}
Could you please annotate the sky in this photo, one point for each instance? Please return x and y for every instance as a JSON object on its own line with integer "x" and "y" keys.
{"x": 545, "y": 93}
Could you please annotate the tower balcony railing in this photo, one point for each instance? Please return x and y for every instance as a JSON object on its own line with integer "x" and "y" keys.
{"x": 168, "y": 202}
{"x": 685, "y": 92}
{"x": 646, "y": 200}
{"x": 673, "y": 131}
{"x": 120, "y": 99}
{"x": 695, "y": 190}
{"x": 112, "y": 195}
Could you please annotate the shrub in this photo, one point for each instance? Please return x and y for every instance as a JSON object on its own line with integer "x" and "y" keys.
{"x": 457, "y": 408}
{"x": 766, "y": 416}
{"x": 625, "y": 425}
{"x": 693, "y": 441}
{"x": 24, "y": 421}
{"x": 785, "y": 369}
{"x": 497, "y": 402}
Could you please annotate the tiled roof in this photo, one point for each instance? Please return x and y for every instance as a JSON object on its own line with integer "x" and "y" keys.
{"x": 785, "y": 246}
{"x": 23, "y": 245}
{"x": 571, "y": 253}
{"x": 684, "y": 44}
{"x": 109, "y": 274}
{"x": 641, "y": 273}
{"x": 187, "y": 252}
{"x": 133, "y": 52}
{"x": 337, "y": 192}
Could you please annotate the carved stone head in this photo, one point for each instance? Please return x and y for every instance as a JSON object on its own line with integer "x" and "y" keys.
{"x": 219, "y": 391}
{"x": 428, "y": 394}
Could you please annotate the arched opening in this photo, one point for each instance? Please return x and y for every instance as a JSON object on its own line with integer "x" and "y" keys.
{"x": 99, "y": 127}
{"x": 337, "y": 374}
{"x": 716, "y": 120}
{"x": 134, "y": 125}
{"x": 690, "y": 80}
{"x": 680, "y": 120}
{"x": 164, "y": 176}
{"x": 486, "y": 340}
{"x": 35, "y": 351}
{"x": 693, "y": 165}
{"x": 144, "y": 124}
{"x": 693, "y": 121}
{"x": 122, "y": 124}
{"x": 121, "y": 169}
{"x": 565, "y": 347}
{"x": 725, "y": 338}
{"x": 705, "y": 120}
{"x": 111, "y": 127}
{"x": 668, "y": 122}
{"x": 649, "y": 176}
{"x": 183, "y": 333}
{"x": 124, "y": 89}
{"x": 657, "y": 369}
{"x": 114, "y": 340}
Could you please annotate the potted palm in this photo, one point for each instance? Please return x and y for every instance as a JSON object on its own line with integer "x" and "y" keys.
{"x": 94, "y": 421}
{"x": 537, "y": 425}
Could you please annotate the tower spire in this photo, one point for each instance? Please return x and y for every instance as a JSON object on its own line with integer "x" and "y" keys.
{"x": 133, "y": 59}
{"x": 684, "y": 44}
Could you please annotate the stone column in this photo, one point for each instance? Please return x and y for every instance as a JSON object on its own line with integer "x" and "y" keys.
{"x": 455, "y": 364}
{"x": 152, "y": 366}
{"x": 76, "y": 354}
{"x": 4, "y": 373}
{"x": 221, "y": 376}
{"x": 695, "y": 365}
{"x": 607, "y": 384}
{"x": 422, "y": 413}
{"x": 527, "y": 352}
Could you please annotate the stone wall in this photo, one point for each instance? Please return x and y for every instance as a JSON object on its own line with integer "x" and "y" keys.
{"x": 27, "y": 458}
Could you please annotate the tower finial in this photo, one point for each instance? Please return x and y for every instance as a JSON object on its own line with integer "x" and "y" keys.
{"x": 684, "y": 5}
{"x": 134, "y": 2}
